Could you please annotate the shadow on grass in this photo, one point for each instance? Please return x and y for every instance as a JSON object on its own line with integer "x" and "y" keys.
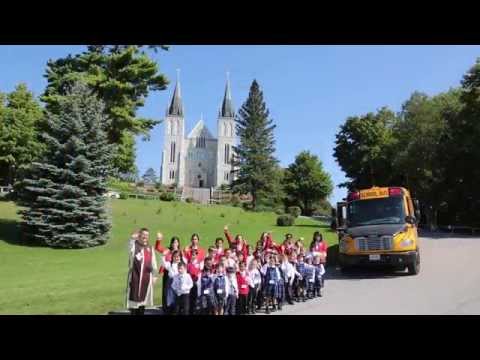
{"x": 10, "y": 233}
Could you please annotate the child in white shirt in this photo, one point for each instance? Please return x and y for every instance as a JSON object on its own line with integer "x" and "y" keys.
{"x": 182, "y": 283}
{"x": 232, "y": 291}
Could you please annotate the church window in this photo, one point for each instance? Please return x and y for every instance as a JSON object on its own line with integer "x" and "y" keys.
{"x": 231, "y": 130}
{"x": 200, "y": 142}
{"x": 226, "y": 176}
{"x": 227, "y": 154}
{"x": 172, "y": 174}
{"x": 172, "y": 152}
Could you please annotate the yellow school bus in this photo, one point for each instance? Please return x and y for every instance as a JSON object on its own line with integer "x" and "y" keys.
{"x": 378, "y": 226}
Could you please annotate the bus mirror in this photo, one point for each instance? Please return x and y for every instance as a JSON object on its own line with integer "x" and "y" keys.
{"x": 410, "y": 220}
{"x": 417, "y": 214}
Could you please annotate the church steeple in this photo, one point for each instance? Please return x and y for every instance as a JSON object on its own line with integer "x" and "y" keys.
{"x": 176, "y": 105}
{"x": 227, "y": 105}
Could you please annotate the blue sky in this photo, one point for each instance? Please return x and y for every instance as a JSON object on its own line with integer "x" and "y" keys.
{"x": 310, "y": 90}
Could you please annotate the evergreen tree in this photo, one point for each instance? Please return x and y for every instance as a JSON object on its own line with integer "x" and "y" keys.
{"x": 254, "y": 156}
{"x": 150, "y": 177}
{"x": 20, "y": 114}
{"x": 63, "y": 192}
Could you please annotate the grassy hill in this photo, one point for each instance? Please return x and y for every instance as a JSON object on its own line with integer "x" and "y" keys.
{"x": 40, "y": 280}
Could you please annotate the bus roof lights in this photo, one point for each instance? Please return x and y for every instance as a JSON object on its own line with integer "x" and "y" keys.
{"x": 395, "y": 191}
{"x": 353, "y": 196}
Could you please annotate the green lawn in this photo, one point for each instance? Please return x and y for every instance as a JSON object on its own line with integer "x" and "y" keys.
{"x": 40, "y": 280}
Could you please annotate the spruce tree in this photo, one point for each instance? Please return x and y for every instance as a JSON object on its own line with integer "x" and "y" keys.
{"x": 254, "y": 156}
{"x": 63, "y": 193}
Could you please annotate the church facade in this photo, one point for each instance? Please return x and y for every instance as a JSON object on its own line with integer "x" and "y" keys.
{"x": 198, "y": 160}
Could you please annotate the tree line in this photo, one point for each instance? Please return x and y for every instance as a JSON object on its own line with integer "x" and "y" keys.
{"x": 430, "y": 147}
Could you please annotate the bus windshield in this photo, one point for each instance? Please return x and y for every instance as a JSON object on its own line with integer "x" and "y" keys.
{"x": 388, "y": 210}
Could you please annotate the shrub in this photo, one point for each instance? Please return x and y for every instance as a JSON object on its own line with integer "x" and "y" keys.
{"x": 189, "y": 200}
{"x": 263, "y": 208}
{"x": 279, "y": 211}
{"x": 295, "y": 211}
{"x": 247, "y": 206}
{"x": 285, "y": 220}
{"x": 141, "y": 184}
{"x": 123, "y": 196}
{"x": 222, "y": 215}
{"x": 235, "y": 200}
{"x": 167, "y": 196}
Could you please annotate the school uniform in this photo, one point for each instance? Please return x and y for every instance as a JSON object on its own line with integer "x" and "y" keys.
{"x": 309, "y": 280}
{"x": 319, "y": 282}
{"x": 220, "y": 290}
{"x": 206, "y": 296}
{"x": 232, "y": 294}
{"x": 194, "y": 269}
{"x": 289, "y": 270}
{"x": 187, "y": 253}
{"x": 233, "y": 244}
{"x": 281, "y": 288}
{"x": 181, "y": 285}
{"x": 255, "y": 286}
{"x": 320, "y": 249}
{"x": 299, "y": 283}
{"x": 272, "y": 278}
{"x": 243, "y": 282}
{"x": 171, "y": 269}
{"x": 219, "y": 252}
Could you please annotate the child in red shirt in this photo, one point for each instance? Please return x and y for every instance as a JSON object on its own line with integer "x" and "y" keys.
{"x": 243, "y": 281}
{"x": 194, "y": 268}
{"x": 187, "y": 252}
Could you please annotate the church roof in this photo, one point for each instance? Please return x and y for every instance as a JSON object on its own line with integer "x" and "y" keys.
{"x": 176, "y": 105}
{"x": 200, "y": 130}
{"x": 227, "y": 104}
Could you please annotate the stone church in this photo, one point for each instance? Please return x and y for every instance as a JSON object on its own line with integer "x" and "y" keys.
{"x": 198, "y": 160}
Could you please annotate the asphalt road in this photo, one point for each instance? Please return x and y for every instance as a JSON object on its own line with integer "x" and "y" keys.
{"x": 449, "y": 283}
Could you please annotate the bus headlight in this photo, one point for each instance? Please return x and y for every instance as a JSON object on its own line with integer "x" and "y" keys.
{"x": 406, "y": 243}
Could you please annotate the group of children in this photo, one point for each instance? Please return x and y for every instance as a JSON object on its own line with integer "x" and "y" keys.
{"x": 238, "y": 280}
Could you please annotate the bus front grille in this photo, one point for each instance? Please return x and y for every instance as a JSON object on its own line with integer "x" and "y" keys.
{"x": 374, "y": 243}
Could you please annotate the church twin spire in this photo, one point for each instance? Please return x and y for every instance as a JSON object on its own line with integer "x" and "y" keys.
{"x": 176, "y": 105}
{"x": 227, "y": 104}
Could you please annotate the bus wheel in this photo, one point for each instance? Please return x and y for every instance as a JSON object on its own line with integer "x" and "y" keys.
{"x": 414, "y": 268}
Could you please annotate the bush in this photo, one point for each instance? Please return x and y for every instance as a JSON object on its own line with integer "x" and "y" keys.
{"x": 123, "y": 196}
{"x": 247, "y": 206}
{"x": 279, "y": 211}
{"x": 189, "y": 200}
{"x": 159, "y": 187}
{"x": 167, "y": 196}
{"x": 285, "y": 220}
{"x": 235, "y": 200}
{"x": 295, "y": 211}
{"x": 222, "y": 215}
{"x": 263, "y": 208}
